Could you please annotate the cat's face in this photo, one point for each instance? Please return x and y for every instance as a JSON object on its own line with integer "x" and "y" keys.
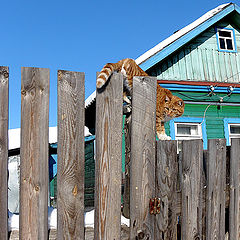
{"x": 173, "y": 108}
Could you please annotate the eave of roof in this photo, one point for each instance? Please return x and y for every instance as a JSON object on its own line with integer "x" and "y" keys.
{"x": 183, "y": 36}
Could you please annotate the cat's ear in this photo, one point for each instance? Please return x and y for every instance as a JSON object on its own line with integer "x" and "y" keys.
{"x": 180, "y": 103}
{"x": 167, "y": 99}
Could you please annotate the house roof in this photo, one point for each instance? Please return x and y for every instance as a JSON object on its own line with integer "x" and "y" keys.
{"x": 178, "y": 39}
{"x": 184, "y": 35}
{"x": 14, "y": 136}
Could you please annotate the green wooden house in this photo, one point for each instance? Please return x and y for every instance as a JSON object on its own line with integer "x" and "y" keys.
{"x": 201, "y": 64}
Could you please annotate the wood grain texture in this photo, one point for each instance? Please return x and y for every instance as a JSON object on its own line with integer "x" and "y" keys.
{"x": 70, "y": 181}
{"x": 108, "y": 160}
{"x": 166, "y": 189}
{"x": 216, "y": 186}
{"x": 234, "y": 210}
{"x": 4, "y": 73}
{"x": 191, "y": 186}
{"x": 142, "y": 172}
{"x": 34, "y": 153}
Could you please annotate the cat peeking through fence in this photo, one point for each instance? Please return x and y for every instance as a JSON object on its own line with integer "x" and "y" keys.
{"x": 168, "y": 106}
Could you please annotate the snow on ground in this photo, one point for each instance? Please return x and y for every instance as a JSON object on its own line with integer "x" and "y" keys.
{"x": 13, "y": 219}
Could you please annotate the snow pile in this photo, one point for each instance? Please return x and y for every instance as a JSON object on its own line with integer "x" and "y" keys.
{"x": 13, "y": 219}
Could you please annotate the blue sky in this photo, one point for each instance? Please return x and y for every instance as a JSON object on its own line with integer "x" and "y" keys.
{"x": 83, "y": 36}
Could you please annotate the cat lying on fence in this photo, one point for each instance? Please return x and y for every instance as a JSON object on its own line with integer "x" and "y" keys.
{"x": 168, "y": 106}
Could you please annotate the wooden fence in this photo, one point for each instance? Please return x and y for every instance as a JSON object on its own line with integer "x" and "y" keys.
{"x": 198, "y": 191}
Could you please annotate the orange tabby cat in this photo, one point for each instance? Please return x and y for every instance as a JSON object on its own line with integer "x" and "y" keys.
{"x": 168, "y": 106}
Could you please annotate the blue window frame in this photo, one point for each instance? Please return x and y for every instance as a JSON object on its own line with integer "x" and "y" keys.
{"x": 231, "y": 129}
{"x": 226, "y": 39}
{"x": 188, "y": 123}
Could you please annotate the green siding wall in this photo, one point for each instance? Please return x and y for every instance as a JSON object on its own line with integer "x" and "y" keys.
{"x": 200, "y": 60}
{"x": 214, "y": 117}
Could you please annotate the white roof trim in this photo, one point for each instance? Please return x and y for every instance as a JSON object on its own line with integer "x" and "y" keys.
{"x": 14, "y": 136}
{"x": 90, "y": 99}
{"x": 179, "y": 34}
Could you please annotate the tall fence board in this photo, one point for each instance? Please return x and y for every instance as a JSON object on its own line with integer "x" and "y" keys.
{"x": 70, "y": 178}
{"x": 234, "y": 206}
{"x": 191, "y": 186}
{"x": 34, "y": 153}
{"x": 3, "y": 150}
{"x": 216, "y": 187}
{"x": 166, "y": 189}
{"x": 142, "y": 173}
{"x": 108, "y": 160}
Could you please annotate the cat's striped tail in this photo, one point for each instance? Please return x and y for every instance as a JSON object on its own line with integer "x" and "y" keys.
{"x": 105, "y": 73}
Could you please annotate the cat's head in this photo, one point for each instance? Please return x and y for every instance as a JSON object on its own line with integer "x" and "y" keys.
{"x": 174, "y": 108}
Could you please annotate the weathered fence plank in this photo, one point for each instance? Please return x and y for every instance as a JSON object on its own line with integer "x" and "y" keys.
{"x": 70, "y": 179}
{"x": 34, "y": 153}
{"x": 234, "y": 210}
{"x": 191, "y": 186}
{"x": 108, "y": 160}
{"x": 216, "y": 186}
{"x": 4, "y": 73}
{"x": 166, "y": 189}
{"x": 142, "y": 172}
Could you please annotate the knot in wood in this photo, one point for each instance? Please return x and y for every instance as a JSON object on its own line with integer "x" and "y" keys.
{"x": 197, "y": 237}
{"x": 140, "y": 235}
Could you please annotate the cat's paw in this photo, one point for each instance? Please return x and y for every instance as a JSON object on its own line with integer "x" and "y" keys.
{"x": 127, "y": 108}
{"x": 163, "y": 137}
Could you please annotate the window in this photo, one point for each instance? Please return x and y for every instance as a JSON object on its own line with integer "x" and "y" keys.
{"x": 187, "y": 131}
{"x": 185, "y": 128}
{"x": 231, "y": 129}
{"x": 226, "y": 39}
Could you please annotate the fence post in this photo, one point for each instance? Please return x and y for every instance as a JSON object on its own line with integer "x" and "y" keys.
{"x": 234, "y": 211}
{"x": 3, "y": 152}
{"x": 216, "y": 182}
{"x": 109, "y": 103}
{"x": 166, "y": 189}
{"x": 70, "y": 178}
{"x": 34, "y": 153}
{"x": 142, "y": 172}
{"x": 191, "y": 185}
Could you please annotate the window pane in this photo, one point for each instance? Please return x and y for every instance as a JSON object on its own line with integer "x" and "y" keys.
{"x": 229, "y": 44}
{"x": 223, "y": 33}
{"x": 222, "y": 43}
{"x": 184, "y": 129}
{"x": 234, "y": 129}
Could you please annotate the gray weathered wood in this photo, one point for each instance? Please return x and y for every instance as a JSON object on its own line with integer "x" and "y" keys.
{"x": 108, "y": 160}
{"x": 3, "y": 151}
{"x": 34, "y": 153}
{"x": 191, "y": 186}
{"x": 234, "y": 210}
{"x": 70, "y": 181}
{"x": 216, "y": 185}
{"x": 166, "y": 189}
{"x": 142, "y": 172}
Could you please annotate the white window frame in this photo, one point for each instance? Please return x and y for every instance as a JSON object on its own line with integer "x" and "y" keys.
{"x": 232, "y": 135}
{"x": 232, "y": 38}
{"x": 188, "y": 137}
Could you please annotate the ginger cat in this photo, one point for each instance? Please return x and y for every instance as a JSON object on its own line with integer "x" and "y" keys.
{"x": 168, "y": 106}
